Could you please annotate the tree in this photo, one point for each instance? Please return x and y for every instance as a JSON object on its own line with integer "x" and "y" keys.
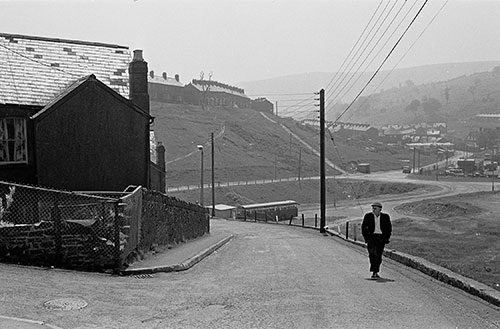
{"x": 205, "y": 88}
{"x": 472, "y": 90}
{"x": 431, "y": 106}
{"x": 488, "y": 138}
{"x": 447, "y": 94}
{"x": 410, "y": 83}
{"x": 413, "y": 106}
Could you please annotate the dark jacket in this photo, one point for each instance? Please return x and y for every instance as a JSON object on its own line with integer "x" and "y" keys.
{"x": 368, "y": 226}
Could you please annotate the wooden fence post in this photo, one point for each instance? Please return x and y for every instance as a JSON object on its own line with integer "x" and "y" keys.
{"x": 56, "y": 218}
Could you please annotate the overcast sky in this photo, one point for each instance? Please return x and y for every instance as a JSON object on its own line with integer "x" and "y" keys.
{"x": 244, "y": 40}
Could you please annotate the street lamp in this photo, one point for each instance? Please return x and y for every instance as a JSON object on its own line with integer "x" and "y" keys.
{"x": 200, "y": 147}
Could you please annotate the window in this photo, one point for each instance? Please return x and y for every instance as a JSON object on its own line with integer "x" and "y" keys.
{"x": 13, "y": 148}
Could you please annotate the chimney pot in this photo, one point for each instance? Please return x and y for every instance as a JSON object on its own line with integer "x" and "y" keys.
{"x": 177, "y": 77}
{"x": 164, "y": 74}
{"x": 152, "y": 74}
{"x": 138, "y": 55}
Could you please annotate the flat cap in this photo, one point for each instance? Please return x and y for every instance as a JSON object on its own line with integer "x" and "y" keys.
{"x": 377, "y": 204}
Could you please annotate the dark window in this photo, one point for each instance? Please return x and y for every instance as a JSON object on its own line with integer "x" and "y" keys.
{"x": 13, "y": 148}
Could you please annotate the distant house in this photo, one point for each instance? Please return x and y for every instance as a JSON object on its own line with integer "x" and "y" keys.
{"x": 214, "y": 93}
{"x": 165, "y": 89}
{"x": 355, "y": 130}
{"x": 73, "y": 115}
{"x": 263, "y": 105}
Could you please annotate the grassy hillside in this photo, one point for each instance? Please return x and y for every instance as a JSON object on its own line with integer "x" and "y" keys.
{"x": 457, "y": 100}
{"x": 390, "y": 88}
{"x": 249, "y": 146}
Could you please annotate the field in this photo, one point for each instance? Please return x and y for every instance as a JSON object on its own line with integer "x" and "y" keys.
{"x": 460, "y": 233}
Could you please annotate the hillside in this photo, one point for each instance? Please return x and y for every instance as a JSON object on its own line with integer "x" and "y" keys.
{"x": 462, "y": 89}
{"x": 451, "y": 101}
{"x": 249, "y": 146}
{"x": 310, "y": 82}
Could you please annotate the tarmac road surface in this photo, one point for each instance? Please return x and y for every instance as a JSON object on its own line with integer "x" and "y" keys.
{"x": 267, "y": 276}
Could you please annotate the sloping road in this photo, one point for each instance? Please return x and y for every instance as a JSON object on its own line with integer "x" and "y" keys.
{"x": 268, "y": 276}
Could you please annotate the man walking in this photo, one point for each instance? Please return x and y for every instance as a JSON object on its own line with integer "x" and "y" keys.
{"x": 376, "y": 229}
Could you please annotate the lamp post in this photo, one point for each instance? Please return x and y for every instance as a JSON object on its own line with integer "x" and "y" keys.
{"x": 200, "y": 147}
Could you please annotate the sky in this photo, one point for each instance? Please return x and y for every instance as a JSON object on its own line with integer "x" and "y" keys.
{"x": 247, "y": 40}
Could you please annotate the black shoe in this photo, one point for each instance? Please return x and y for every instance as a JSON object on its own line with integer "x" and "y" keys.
{"x": 375, "y": 276}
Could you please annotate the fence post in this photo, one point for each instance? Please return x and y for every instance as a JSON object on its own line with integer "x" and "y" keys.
{"x": 255, "y": 215}
{"x": 302, "y": 220}
{"x": 315, "y": 220}
{"x": 290, "y": 223}
{"x": 355, "y": 231}
{"x": 56, "y": 218}
{"x": 347, "y": 230}
{"x": 116, "y": 237}
{"x": 265, "y": 215}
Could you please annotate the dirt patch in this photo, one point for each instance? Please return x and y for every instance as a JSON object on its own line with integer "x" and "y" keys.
{"x": 438, "y": 209}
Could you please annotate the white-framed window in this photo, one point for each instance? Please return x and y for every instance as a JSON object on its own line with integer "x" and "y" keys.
{"x": 13, "y": 146}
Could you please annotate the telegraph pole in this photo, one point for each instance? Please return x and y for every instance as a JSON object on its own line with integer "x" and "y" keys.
{"x": 322, "y": 160}
{"x": 213, "y": 176}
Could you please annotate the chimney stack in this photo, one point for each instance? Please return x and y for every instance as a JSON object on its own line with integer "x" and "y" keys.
{"x": 177, "y": 78}
{"x": 164, "y": 74}
{"x": 138, "y": 81}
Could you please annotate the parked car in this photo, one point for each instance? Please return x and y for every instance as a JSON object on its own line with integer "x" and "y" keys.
{"x": 454, "y": 172}
{"x": 406, "y": 170}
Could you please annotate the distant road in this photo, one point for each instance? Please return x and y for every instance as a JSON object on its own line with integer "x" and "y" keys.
{"x": 328, "y": 162}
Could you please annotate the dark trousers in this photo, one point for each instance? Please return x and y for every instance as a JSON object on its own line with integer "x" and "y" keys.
{"x": 375, "y": 246}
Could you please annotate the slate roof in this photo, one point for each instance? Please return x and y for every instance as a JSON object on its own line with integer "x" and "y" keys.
{"x": 216, "y": 86}
{"x": 162, "y": 81}
{"x": 34, "y": 70}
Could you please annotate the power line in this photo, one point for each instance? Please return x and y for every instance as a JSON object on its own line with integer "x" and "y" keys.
{"x": 367, "y": 56}
{"x": 411, "y": 46}
{"x": 342, "y": 76}
{"x": 355, "y": 44}
{"x": 292, "y": 94}
{"x": 383, "y": 62}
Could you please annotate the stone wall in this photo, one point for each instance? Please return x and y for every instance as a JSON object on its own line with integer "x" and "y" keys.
{"x": 74, "y": 247}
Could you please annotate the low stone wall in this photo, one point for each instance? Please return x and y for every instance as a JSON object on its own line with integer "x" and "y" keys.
{"x": 168, "y": 221}
{"x": 74, "y": 247}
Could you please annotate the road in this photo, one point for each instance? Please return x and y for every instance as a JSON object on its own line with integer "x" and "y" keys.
{"x": 268, "y": 276}
{"x": 350, "y": 210}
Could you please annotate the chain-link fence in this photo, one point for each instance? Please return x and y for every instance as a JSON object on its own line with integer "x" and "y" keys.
{"x": 94, "y": 231}
{"x": 62, "y": 229}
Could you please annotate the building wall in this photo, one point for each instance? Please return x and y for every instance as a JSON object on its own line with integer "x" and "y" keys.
{"x": 166, "y": 93}
{"x": 92, "y": 141}
{"x": 192, "y": 95}
{"x": 263, "y": 105}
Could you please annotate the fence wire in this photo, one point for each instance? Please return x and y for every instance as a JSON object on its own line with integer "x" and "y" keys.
{"x": 47, "y": 227}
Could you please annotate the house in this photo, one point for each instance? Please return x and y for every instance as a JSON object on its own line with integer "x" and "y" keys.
{"x": 165, "y": 89}
{"x": 355, "y": 130}
{"x": 214, "y": 93}
{"x": 262, "y": 104}
{"x": 74, "y": 114}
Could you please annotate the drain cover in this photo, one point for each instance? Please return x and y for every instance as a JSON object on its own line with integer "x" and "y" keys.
{"x": 66, "y": 304}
